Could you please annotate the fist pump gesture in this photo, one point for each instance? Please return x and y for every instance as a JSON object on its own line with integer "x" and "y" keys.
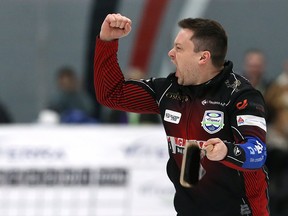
{"x": 114, "y": 27}
{"x": 215, "y": 149}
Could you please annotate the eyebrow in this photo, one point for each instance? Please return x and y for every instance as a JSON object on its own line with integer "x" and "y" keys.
{"x": 177, "y": 44}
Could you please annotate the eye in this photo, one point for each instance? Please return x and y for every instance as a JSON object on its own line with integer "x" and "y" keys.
{"x": 178, "y": 48}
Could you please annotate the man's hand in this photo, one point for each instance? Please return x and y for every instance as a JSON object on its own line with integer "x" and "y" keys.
{"x": 215, "y": 149}
{"x": 114, "y": 27}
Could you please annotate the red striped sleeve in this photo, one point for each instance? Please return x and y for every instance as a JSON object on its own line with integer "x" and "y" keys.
{"x": 256, "y": 191}
{"x": 110, "y": 86}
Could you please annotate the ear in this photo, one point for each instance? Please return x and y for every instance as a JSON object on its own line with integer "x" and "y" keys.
{"x": 206, "y": 56}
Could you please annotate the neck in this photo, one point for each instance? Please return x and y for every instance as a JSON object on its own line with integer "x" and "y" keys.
{"x": 209, "y": 74}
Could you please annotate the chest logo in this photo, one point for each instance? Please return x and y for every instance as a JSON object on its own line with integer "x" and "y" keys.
{"x": 213, "y": 121}
{"x": 172, "y": 116}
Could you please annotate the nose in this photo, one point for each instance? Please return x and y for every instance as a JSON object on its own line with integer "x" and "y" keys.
{"x": 171, "y": 53}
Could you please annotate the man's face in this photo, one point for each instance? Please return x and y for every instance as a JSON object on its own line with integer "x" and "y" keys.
{"x": 185, "y": 59}
{"x": 67, "y": 83}
{"x": 254, "y": 64}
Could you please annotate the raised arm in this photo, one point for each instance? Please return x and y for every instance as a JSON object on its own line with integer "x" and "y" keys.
{"x": 111, "y": 88}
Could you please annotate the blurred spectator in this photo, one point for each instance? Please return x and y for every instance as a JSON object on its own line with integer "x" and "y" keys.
{"x": 278, "y": 90}
{"x": 5, "y": 116}
{"x": 277, "y": 93}
{"x": 254, "y": 69}
{"x": 277, "y": 161}
{"x": 277, "y": 142}
{"x": 282, "y": 79}
{"x": 71, "y": 103}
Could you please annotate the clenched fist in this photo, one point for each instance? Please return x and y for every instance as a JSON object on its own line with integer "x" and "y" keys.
{"x": 215, "y": 149}
{"x": 114, "y": 27}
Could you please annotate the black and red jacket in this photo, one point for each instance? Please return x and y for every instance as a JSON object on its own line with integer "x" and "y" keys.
{"x": 226, "y": 107}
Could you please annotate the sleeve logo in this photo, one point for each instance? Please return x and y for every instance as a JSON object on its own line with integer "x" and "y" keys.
{"x": 242, "y": 104}
{"x": 251, "y": 120}
{"x": 213, "y": 121}
{"x": 236, "y": 151}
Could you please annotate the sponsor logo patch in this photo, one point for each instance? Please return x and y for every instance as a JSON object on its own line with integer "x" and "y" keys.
{"x": 205, "y": 102}
{"x": 177, "y": 96}
{"x": 242, "y": 104}
{"x": 176, "y": 144}
{"x": 213, "y": 121}
{"x": 172, "y": 116}
{"x": 251, "y": 120}
{"x": 237, "y": 151}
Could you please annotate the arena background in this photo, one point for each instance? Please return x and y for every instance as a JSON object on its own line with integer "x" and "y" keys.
{"x": 103, "y": 170}
{"x": 39, "y": 36}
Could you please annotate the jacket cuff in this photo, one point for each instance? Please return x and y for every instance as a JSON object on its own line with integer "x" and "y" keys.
{"x": 235, "y": 154}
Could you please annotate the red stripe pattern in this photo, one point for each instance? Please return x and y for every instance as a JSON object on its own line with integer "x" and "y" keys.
{"x": 111, "y": 88}
{"x": 256, "y": 191}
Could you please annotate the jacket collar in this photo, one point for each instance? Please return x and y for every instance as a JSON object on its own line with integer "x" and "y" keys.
{"x": 228, "y": 67}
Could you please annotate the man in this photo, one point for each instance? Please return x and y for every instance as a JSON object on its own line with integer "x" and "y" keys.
{"x": 72, "y": 103}
{"x": 203, "y": 101}
{"x": 254, "y": 69}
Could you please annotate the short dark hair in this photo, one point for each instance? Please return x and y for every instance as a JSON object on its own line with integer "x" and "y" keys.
{"x": 254, "y": 51}
{"x": 208, "y": 35}
{"x": 66, "y": 71}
